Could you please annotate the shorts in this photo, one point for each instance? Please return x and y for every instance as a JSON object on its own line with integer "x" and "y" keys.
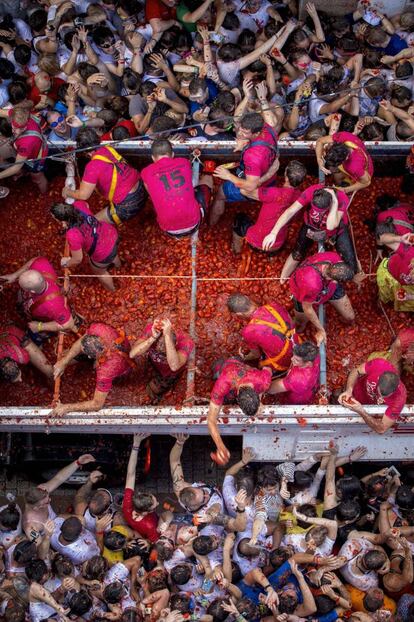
{"x": 108, "y": 260}
{"x": 130, "y": 206}
{"x": 337, "y": 295}
{"x": 241, "y": 224}
{"x": 203, "y": 198}
{"x": 232, "y": 193}
{"x": 34, "y": 167}
{"x": 38, "y": 338}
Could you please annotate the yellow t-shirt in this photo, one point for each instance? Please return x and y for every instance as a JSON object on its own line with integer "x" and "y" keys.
{"x": 357, "y": 598}
{"x": 286, "y": 515}
{"x": 115, "y": 556}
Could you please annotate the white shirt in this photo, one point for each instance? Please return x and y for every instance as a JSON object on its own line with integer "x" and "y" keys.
{"x": 84, "y": 548}
{"x": 229, "y": 495}
{"x": 353, "y": 550}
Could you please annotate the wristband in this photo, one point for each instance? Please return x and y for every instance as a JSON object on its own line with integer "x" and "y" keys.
{"x": 135, "y": 447}
{"x": 266, "y": 587}
{"x": 283, "y": 64}
{"x": 78, "y": 463}
{"x": 39, "y": 326}
{"x": 100, "y": 533}
{"x": 240, "y": 511}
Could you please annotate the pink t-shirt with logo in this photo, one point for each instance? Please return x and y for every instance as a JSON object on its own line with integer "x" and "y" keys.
{"x": 403, "y": 212}
{"x": 266, "y": 338}
{"x": 316, "y": 217}
{"x": 359, "y": 161}
{"x": 274, "y": 202}
{"x": 11, "y": 345}
{"x": 54, "y": 310}
{"x": 308, "y": 285}
{"x": 184, "y": 344}
{"x": 169, "y": 184}
{"x": 258, "y": 159}
{"x": 401, "y": 264}
{"x": 301, "y": 384}
{"x": 29, "y": 146}
{"x": 100, "y": 174}
{"x": 366, "y": 388}
{"x": 82, "y": 237}
{"x": 114, "y": 363}
{"x": 235, "y": 373}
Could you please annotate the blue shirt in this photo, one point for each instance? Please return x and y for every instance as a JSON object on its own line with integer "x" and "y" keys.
{"x": 212, "y": 94}
{"x": 277, "y": 580}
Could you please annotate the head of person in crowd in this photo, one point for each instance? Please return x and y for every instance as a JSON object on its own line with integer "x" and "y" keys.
{"x": 10, "y": 370}
{"x": 79, "y": 603}
{"x": 19, "y": 116}
{"x": 203, "y": 545}
{"x": 404, "y": 499}
{"x": 300, "y": 59}
{"x": 216, "y": 609}
{"x": 157, "y": 580}
{"x": 87, "y": 139}
{"x": 373, "y": 599}
{"x": 241, "y": 305}
{"x": 104, "y": 39}
{"x": 37, "y": 498}
{"x": 94, "y": 569}
{"x": 71, "y": 529}
{"x": 37, "y": 570}
{"x": 348, "y": 511}
{"x": 401, "y": 96}
{"x": 340, "y": 272}
{"x": 374, "y": 560}
{"x": 57, "y": 122}
{"x": 9, "y": 517}
{"x": 181, "y": 603}
{"x": 304, "y": 354}
{"x": 348, "y": 487}
{"x": 24, "y": 552}
{"x": 62, "y": 566}
{"x": 144, "y": 503}
{"x": 268, "y": 480}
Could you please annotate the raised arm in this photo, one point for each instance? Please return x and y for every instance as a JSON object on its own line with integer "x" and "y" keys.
{"x": 331, "y": 525}
{"x": 308, "y": 606}
{"x": 248, "y": 455}
{"x": 65, "y": 473}
{"x": 329, "y": 498}
{"x": 133, "y": 458}
{"x": 176, "y": 468}
{"x": 83, "y": 495}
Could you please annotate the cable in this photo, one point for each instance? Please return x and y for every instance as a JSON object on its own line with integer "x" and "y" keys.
{"x": 113, "y": 143}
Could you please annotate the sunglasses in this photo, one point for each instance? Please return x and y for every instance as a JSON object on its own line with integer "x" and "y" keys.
{"x": 108, "y": 44}
{"x": 58, "y": 122}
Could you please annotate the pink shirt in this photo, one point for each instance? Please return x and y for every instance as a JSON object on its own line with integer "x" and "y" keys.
{"x": 265, "y": 338}
{"x": 82, "y": 238}
{"x": 316, "y": 217}
{"x": 235, "y": 373}
{"x": 100, "y": 174}
{"x": 301, "y": 384}
{"x": 399, "y": 264}
{"x": 366, "y": 388}
{"x": 114, "y": 362}
{"x": 403, "y": 212}
{"x": 54, "y": 306}
{"x": 11, "y": 347}
{"x": 29, "y": 146}
{"x": 169, "y": 184}
{"x": 274, "y": 202}
{"x": 359, "y": 161}
{"x": 308, "y": 285}
{"x": 184, "y": 345}
{"x": 257, "y": 159}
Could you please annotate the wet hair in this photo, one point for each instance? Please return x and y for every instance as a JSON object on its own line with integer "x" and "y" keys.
{"x": 187, "y": 496}
{"x": 15, "y": 612}
{"x": 287, "y": 602}
{"x": 373, "y": 600}
{"x": 247, "y": 40}
{"x": 245, "y": 549}
{"x": 236, "y": 573}
{"x": 114, "y": 592}
{"x": 203, "y": 545}
{"x": 404, "y": 498}
{"x": 231, "y": 21}
{"x": 322, "y": 198}
{"x": 252, "y": 121}
{"x": 22, "y": 54}
{"x": 327, "y": 85}
{"x": 131, "y": 615}
{"x": 374, "y": 559}
{"x": 37, "y": 20}
{"x": 216, "y": 610}
{"x": 34, "y": 495}
{"x": 335, "y": 156}
{"x": 308, "y": 352}
{"x": 24, "y": 552}
{"x": 317, "y": 533}
{"x": 401, "y": 94}
{"x": 267, "y": 476}
{"x": 18, "y": 91}
{"x": 101, "y": 33}
{"x": 238, "y": 303}
{"x": 114, "y": 541}
{"x": 135, "y": 549}
{"x": 225, "y": 101}
{"x": 62, "y": 566}
{"x": 87, "y": 137}
{"x": 348, "y": 44}
{"x": 181, "y": 603}
{"x": 163, "y": 124}
{"x": 371, "y": 58}
{"x": 248, "y": 400}
{"x": 324, "y": 604}
{"x": 35, "y": 569}
{"x": 404, "y": 69}
{"x": 5, "y": 128}
{"x": 375, "y": 87}
{"x": 131, "y": 80}
{"x": 302, "y": 479}
{"x": 348, "y": 510}
{"x": 71, "y": 529}
{"x": 270, "y": 29}
{"x": 308, "y": 510}
{"x": 315, "y": 131}
{"x": 373, "y": 131}
{"x": 376, "y": 36}
{"x": 376, "y": 485}
{"x": 67, "y": 213}
{"x": 181, "y": 574}
{"x": 100, "y": 502}
{"x": 10, "y": 517}
{"x": 245, "y": 480}
{"x": 109, "y": 117}
{"x": 388, "y": 383}
{"x": 142, "y": 501}
{"x": 278, "y": 556}
{"x": 229, "y": 52}
{"x": 157, "y": 580}
{"x": 247, "y": 608}
{"x": 295, "y": 172}
{"x": 9, "y": 369}
{"x": 92, "y": 346}
{"x": 215, "y": 117}
{"x": 349, "y": 487}
{"x": 86, "y": 70}
{"x": 164, "y": 549}
{"x": 341, "y": 272}
{"x": 196, "y": 85}
{"x": 80, "y": 603}
{"x": 120, "y": 132}
{"x": 161, "y": 147}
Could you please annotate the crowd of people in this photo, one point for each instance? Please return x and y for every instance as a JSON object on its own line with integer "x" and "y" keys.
{"x": 275, "y": 543}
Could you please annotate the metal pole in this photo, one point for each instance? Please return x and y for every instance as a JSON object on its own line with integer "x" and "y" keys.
{"x": 189, "y": 396}
{"x": 321, "y": 315}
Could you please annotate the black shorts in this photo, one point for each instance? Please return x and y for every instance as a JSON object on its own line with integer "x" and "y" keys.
{"x": 337, "y": 295}
{"x": 130, "y": 206}
{"x": 108, "y": 260}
